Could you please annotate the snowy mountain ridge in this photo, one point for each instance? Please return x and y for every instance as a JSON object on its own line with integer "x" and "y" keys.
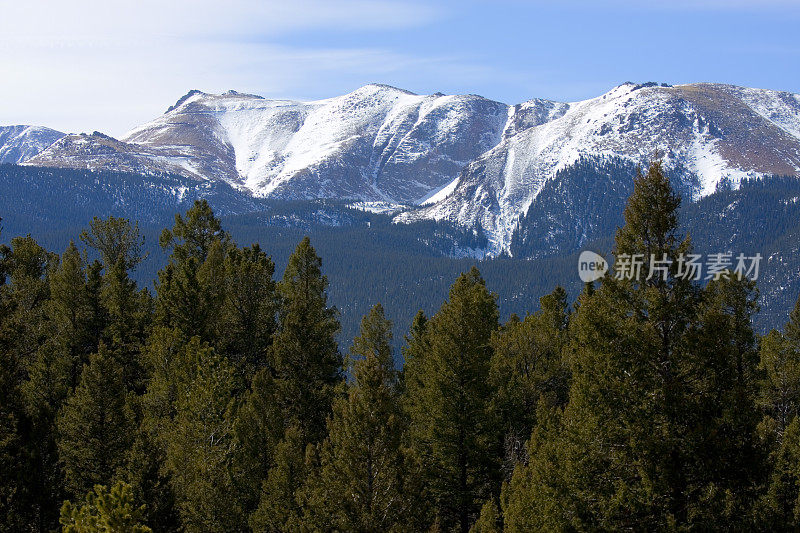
{"x": 460, "y": 158}
{"x": 377, "y": 143}
{"x": 20, "y": 143}
{"x": 713, "y": 135}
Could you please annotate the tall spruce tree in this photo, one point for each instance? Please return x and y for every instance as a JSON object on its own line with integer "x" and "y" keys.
{"x": 729, "y": 461}
{"x": 780, "y": 386}
{"x": 779, "y": 508}
{"x": 24, "y": 330}
{"x": 247, "y": 318}
{"x": 304, "y": 356}
{"x": 281, "y": 506}
{"x": 660, "y": 374}
{"x": 258, "y": 430}
{"x": 14, "y": 463}
{"x": 169, "y": 369}
{"x": 56, "y": 370}
{"x": 452, "y": 428}
{"x": 127, "y": 311}
{"x": 128, "y": 315}
{"x": 360, "y": 482}
{"x": 94, "y": 427}
{"x": 191, "y": 288}
{"x": 779, "y": 398}
{"x": 199, "y": 441}
{"x": 527, "y": 366}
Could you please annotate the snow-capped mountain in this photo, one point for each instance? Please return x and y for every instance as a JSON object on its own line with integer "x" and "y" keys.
{"x": 20, "y": 143}
{"x": 462, "y": 158}
{"x": 376, "y": 143}
{"x": 707, "y": 134}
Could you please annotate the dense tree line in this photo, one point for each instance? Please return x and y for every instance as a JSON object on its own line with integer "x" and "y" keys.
{"x": 221, "y": 401}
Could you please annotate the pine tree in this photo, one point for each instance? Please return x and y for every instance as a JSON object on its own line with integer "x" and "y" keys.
{"x": 27, "y": 291}
{"x": 661, "y": 379}
{"x": 194, "y": 234}
{"x": 128, "y": 313}
{"x": 304, "y": 356}
{"x": 489, "y": 519}
{"x": 360, "y": 484}
{"x": 247, "y": 318}
{"x": 792, "y": 329}
{"x": 780, "y": 387}
{"x": 729, "y": 459}
{"x": 258, "y": 430}
{"x": 116, "y": 240}
{"x": 199, "y": 441}
{"x": 415, "y": 346}
{"x": 56, "y": 369}
{"x": 168, "y": 366}
{"x": 94, "y": 427}
{"x": 448, "y": 400}
{"x": 779, "y": 509}
{"x": 281, "y": 506}
{"x": 69, "y": 311}
{"x": 24, "y": 331}
{"x": 104, "y": 511}
{"x": 191, "y": 287}
{"x": 537, "y": 495}
{"x": 527, "y": 366}
{"x": 14, "y": 461}
{"x": 779, "y": 398}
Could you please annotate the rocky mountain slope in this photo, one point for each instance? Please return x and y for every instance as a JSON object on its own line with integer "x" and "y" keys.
{"x": 707, "y": 135}
{"x": 376, "y": 143}
{"x": 462, "y": 159}
{"x": 20, "y": 143}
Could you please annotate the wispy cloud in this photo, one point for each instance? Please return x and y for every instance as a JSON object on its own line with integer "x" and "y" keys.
{"x": 108, "y": 65}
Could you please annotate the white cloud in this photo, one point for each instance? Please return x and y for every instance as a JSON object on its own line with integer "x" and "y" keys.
{"x": 110, "y": 66}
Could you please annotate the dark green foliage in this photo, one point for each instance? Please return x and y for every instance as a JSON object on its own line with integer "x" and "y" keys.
{"x": 94, "y": 428}
{"x": 199, "y": 442}
{"x": 221, "y": 404}
{"x": 258, "y": 429}
{"x": 247, "y": 317}
{"x": 452, "y": 428}
{"x": 104, "y": 511}
{"x": 780, "y": 388}
{"x": 780, "y": 506}
{"x": 281, "y": 505}
{"x": 116, "y": 240}
{"x": 193, "y": 235}
{"x": 527, "y": 368}
{"x": 304, "y": 356}
{"x": 662, "y": 403}
{"x": 362, "y": 478}
{"x": 13, "y": 459}
{"x": 190, "y": 287}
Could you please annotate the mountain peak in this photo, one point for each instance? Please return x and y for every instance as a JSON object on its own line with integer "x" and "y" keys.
{"x": 183, "y": 98}
{"x": 373, "y": 87}
{"x": 19, "y": 143}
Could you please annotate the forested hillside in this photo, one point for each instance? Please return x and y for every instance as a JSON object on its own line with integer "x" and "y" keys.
{"x": 410, "y": 266}
{"x": 221, "y": 400}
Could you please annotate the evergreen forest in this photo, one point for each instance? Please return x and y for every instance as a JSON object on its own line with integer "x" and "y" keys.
{"x": 224, "y": 399}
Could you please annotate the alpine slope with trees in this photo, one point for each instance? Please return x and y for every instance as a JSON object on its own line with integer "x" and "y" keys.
{"x": 221, "y": 401}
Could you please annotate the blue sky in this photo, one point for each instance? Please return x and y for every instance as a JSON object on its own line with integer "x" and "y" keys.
{"x": 108, "y": 66}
